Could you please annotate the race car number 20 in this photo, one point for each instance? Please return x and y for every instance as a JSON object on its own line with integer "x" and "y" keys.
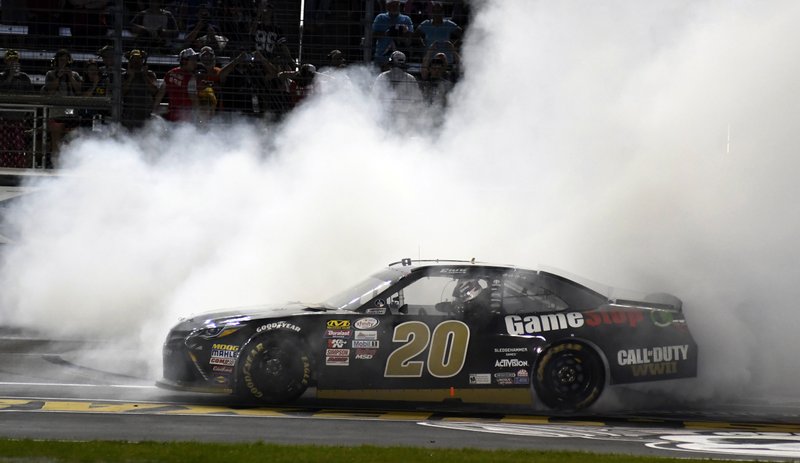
{"x": 446, "y": 356}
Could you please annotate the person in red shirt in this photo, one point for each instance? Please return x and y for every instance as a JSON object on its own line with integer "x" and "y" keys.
{"x": 180, "y": 86}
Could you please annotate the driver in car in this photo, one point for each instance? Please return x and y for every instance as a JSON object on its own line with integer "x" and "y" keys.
{"x": 470, "y": 295}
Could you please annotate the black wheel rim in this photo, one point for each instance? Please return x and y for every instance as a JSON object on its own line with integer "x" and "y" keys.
{"x": 278, "y": 370}
{"x": 570, "y": 376}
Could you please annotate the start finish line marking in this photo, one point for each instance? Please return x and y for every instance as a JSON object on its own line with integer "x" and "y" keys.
{"x": 729, "y": 443}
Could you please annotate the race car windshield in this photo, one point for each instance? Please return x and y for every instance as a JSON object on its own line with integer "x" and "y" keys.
{"x": 359, "y": 294}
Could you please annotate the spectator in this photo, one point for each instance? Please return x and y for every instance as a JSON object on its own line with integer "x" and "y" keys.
{"x": 208, "y": 73}
{"x": 13, "y": 124}
{"x": 154, "y": 27}
{"x": 180, "y": 86}
{"x": 397, "y": 88}
{"x": 244, "y": 84}
{"x": 94, "y": 84}
{"x": 392, "y": 31}
{"x": 436, "y": 31}
{"x": 435, "y": 81}
{"x": 12, "y": 79}
{"x": 336, "y": 60}
{"x": 204, "y": 31}
{"x": 139, "y": 86}
{"x": 61, "y": 80}
{"x": 106, "y": 55}
{"x": 302, "y": 83}
{"x": 268, "y": 38}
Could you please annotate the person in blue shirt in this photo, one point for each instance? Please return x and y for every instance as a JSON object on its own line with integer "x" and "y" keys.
{"x": 392, "y": 30}
{"x": 436, "y": 32}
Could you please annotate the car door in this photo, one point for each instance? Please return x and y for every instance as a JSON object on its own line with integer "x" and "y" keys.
{"x": 420, "y": 340}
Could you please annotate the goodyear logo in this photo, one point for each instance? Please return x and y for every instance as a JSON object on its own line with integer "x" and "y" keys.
{"x": 338, "y": 324}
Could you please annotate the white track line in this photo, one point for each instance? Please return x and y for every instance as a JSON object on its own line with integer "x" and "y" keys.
{"x": 123, "y": 386}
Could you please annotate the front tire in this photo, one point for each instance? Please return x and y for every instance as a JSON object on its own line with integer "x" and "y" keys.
{"x": 274, "y": 369}
{"x": 569, "y": 376}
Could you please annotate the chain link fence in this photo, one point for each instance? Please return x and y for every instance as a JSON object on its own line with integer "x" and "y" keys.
{"x": 73, "y": 64}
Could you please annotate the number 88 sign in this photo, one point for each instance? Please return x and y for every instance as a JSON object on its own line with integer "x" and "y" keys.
{"x": 446, "y": 356}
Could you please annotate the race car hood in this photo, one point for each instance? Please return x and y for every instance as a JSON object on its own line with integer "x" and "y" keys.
{"x": 235, "y": 316}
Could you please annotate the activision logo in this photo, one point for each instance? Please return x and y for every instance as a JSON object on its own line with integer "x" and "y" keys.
{"x": 510, "y": 363}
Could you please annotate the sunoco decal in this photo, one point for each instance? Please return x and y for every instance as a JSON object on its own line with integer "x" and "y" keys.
{"x": 532, "y": 324}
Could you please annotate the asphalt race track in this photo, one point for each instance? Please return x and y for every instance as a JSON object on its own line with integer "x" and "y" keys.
{"x": 55, "y": 390}
{"x": 74, "y": 390}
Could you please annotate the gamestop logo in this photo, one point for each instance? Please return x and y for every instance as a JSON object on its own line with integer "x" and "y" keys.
{"x": 532, "y": 324}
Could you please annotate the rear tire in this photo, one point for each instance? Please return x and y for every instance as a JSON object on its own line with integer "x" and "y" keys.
{"x": 274, "y": 369}
{"x": 569, "y": 376}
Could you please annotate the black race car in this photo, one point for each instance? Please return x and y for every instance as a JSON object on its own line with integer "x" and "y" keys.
{"x": 437, "y": 330}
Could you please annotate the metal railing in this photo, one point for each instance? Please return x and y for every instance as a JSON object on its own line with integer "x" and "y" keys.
{"x": 24, "y": 139}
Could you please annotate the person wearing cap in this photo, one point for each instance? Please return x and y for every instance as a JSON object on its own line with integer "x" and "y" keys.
{"x": 391, "y": 30}
{"x": 209, "y": 75}
{"x": 435, "y": 81}
{"x": 139, "y": 86}
{"x": 12, "y": 79}
{"x": 303, "y": 82}
{"x": 180, "y": 85}
{"x": 397, "y": 88}
{"x": 13, "y": 124}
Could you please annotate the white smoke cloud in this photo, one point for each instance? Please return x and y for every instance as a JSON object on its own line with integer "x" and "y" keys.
{"x": 586, "y": 136}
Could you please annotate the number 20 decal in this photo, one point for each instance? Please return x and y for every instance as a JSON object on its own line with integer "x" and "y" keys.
{"x": 446, "y": 356}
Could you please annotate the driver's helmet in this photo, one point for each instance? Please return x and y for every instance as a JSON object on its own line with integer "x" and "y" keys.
{"x": 467, "y": 290}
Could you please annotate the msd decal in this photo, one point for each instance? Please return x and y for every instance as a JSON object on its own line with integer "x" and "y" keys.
{"x": 532, "y": 324}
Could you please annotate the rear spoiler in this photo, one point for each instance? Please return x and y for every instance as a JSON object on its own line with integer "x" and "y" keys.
{"x": 662, "y": 301}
